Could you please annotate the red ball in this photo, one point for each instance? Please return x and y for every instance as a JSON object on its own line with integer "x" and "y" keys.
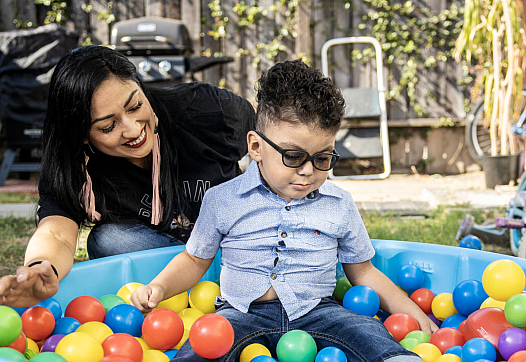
{"x": 399, "y": 324}
{"x": 122, "y": 345}
{"x": 211, "y": 336}
{"x": 447, "y": 337}
{"x": 423, "y": 297}
{"x": 37, "y": 323}
{"x": 162, "y": 329}
{"x": 20, "y": 343}
{"x": 86, "y": 309}
{"x": 519, "y": 356}
{"x": 115, "y": 358}
{"x": 487, "y": 323}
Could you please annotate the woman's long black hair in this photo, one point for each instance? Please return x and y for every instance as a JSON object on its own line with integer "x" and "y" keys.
{"x": 67, "y": 125}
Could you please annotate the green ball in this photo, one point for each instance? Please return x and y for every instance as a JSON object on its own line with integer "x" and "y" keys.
{"x": 12, "y": 354}
{"x": 10, "y": 325}
{"x": 515, "y": 310}
{"x": 111, "y": 300}
{"x": 422, "y": 336}
{"x": 342, "y": 286}
{"x": 48, "y": 357}
{"x": 296, "y": 346}
{"x": 409, "y": 343}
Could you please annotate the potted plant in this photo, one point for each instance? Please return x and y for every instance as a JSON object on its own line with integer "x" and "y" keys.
{"x": 492, "y": 42}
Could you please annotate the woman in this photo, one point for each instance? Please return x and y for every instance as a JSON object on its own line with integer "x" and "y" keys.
{"x": 133, "y": 160}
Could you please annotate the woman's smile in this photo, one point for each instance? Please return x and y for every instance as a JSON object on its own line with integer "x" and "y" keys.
{"x": 139, "y": 141}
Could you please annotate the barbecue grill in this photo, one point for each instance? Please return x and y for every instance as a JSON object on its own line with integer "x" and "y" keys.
{"x": 160, "y": 48}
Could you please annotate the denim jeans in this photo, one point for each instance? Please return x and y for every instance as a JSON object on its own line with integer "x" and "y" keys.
{"x": 360, "y": 338}
{"x": 114, "y": 239}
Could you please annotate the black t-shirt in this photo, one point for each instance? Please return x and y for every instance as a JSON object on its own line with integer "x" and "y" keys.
{"x": 211, "y": 140}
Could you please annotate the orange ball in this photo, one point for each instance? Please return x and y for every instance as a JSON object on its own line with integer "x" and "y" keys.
{"x": 211, "y": 336}
{"x": 519, "y": 356}
{"x": 400, "y": 324}
{"x": 38, "y": 322}
{"x": 86, "y": 309}
{"x": 162, "y": 329}
{"x": 423, "y": 297}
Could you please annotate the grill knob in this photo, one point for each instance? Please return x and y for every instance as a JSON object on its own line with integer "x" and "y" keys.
{"x": 165, "y": 66}
{"x": 145, "y": 66}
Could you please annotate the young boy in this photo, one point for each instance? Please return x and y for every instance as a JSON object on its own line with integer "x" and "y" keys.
{"x": 282, "y": 229}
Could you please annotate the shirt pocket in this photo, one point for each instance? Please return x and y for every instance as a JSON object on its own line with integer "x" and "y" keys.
{"x": 322, "y": 234}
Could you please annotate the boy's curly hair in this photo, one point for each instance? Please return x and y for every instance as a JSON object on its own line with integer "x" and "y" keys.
{"x": 293, "y": 92}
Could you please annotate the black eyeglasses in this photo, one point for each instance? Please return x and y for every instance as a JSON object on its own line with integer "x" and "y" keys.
{"x": 297, "y": 158}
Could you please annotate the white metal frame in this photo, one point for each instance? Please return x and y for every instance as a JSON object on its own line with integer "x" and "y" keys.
{"x": 384, "y": 135}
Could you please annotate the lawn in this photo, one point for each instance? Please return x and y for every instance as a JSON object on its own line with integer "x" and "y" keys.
{"x": 439, "y": 226}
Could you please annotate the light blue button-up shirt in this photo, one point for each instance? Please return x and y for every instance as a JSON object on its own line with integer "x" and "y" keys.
{"x": 268, "y": 242}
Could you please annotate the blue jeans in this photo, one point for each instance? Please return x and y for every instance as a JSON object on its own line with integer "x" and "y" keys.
{"x": 113, "y": 239}
{"x": 360, "y": 338}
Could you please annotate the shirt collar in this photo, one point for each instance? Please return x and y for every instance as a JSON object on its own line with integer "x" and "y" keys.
{"x": 252, "y": 179}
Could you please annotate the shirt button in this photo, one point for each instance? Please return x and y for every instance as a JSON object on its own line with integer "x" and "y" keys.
{"x": 287, "y": 208}
{"x": 283, "y": 234}
{"x": 273, "y": 276}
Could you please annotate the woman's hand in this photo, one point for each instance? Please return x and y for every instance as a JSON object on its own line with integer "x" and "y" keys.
{"x": 29, "y": 286}
{"x": 147, "y": 297}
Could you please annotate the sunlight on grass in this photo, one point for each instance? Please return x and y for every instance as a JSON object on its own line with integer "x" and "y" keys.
{"x": 18, "y": 198}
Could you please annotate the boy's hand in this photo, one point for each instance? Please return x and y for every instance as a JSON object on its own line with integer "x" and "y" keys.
{"x": 426, "y": 324}
{"x": 147, "y": 297}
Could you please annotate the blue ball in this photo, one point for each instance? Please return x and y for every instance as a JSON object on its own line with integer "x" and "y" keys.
{"x": 65, "y": 325}
{"x": 453, "y": 321}
{"x": 125, "y": 318}
{"x": 171, "y": 353}
{"x": 263, "y": 358}
{"x": 53, "y": 306}
{"x": 457, "y": 350}
{"x": 410, "y": 278}
{"x": 468, "y": 296}
{"x": 330, "y": 354}
{"x": 20, "y": 310}
{"x": 477, "y": 349}
{"x": 470, "y": 242}
{"x": 362, "y": 300}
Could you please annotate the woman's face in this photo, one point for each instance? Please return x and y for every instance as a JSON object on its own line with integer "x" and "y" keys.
{"x": 122, "y": 121}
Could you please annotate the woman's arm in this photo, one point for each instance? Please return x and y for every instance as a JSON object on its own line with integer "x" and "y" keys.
{"x": 392, "y": 299}
{"x": 52, "y": 244}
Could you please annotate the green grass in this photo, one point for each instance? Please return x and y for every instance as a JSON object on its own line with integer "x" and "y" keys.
{"x": 18, "y": 198}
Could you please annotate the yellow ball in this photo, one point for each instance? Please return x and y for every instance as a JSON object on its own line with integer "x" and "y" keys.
{"x": 176, "y": 303}
{"x": 153, "y": 355}
{"x": 442, "y": 306}
{"x": 427, "y": 351}
{"x": 503, "y": 279}
{"x": 186, "y": 333}
{"x": 252, "y": 351}
{"x": 490, "y": 302}
{"x": 143, "y": 343}
{"x": 449, "y": 357}
{"x": 97, "y": 330}
{"x": 191, "y": 312}
{"x": 126, "y": 291}
{"x": 32, "y": 345}
{"x": 202, "y": 296}
{"x": 80, "y": 347}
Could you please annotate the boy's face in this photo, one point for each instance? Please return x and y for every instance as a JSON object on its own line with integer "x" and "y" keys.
{"x": 290, "y": 183}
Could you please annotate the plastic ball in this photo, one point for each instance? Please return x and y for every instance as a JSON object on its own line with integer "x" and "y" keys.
{"x": 362, "y": 300}
{"x": 470, "y": 242}
{"x": 410, "y": 278}
{"x": 176, "y": 303}
{"x": 66, "y": 325}
{"x": 162, "y": 329}
{"x": 330, "y": 354}
{"x": 211, "y": 336}
{"x": 54, "y": 307}
{"x": 410, "y": 343}
{"x": 85, "y": 309}
{"x": 446, "y": 338}
{"x": 110, "y": 300}
{"x": 141, "y": 341}
{"x": 125, "y": 318}
{"x": 519, "y": 356}
{"x": 48, "y": 357}
{"x": 478, "y": 348}
{"x": 487, "y": 323}
{"x": 153, "y": 355}
{"x": 456, "y": 350}
{"x": 32, "y": 345}
{"x": 422, "y": 336}
{"x": 10, "y": 325}
{"x": 502, "y": 279}
{"x": 448, "y": 358}
{"x": 435, "y": 320}
{"x": 115, "y": 358}
{"x": 490, "y": 302}
{"x": 11, "y": 355}
{"x": 423, "y": 297}
{"x": 263, "y": 359}
{"x": 202, "y": 296}
{"x": 191, "y": 313}
{"x": 515, "y": 310}
{"x": 127, "y": 290}
{"x": 38, "y": 323}
{"x": 80, "y": 347}
{"x": 510, "y": 341}
{"x": 342, "y": 286}
{"x": 443, "y": 306}
{"x": 186, "y": 333}
{"x": 97, "y": 330}
{"x": 122, "y": 344}
{"x": 20, "y": 343}
{"x": 468, "y": 296}
{"x": 427, "y": 351}
{"x": 252, "y": 351}
{"x": 453, "y": 321}
{"x": 400, "y": 324}
{"x": 50, "y": 345}
{"x": 296, "y": 346}
{"x": 171, "y": 353}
